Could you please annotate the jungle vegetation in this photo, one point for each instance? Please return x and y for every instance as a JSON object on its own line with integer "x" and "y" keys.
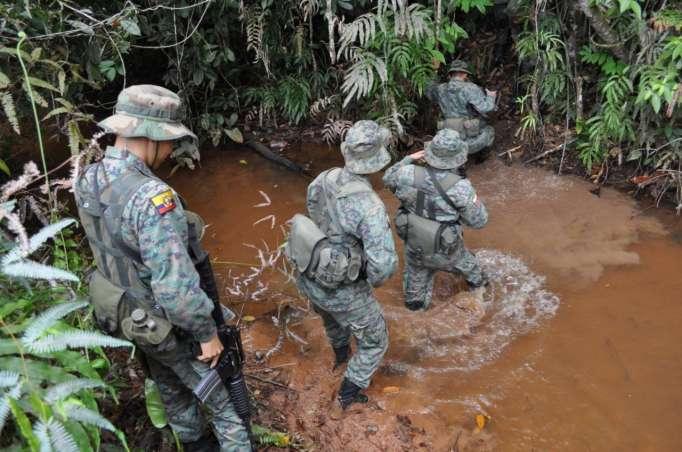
{"x": 607, "y": 71}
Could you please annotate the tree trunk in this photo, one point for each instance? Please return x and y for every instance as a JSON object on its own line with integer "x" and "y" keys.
{"x": 330, "y": 26}
{"x": 601, "y": 26}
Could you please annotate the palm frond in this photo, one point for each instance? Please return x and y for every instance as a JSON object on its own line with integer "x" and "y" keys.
{"x": 63, "y": 390}
{"x": 37, "y": 240}
{"x": 34, "y": 270}
{"x": 359, "y": 80}
{"x": 74, "y": 339}
{"x": 87, "y": 416}
{"x": 49, "y": 318}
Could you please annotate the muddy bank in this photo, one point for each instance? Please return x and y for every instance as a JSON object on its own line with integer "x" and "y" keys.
{"x": 573, "y": 349}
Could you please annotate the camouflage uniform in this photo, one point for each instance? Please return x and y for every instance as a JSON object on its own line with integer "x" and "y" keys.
{"x": 352, "y": 309}
{"x": 400, "y": 179}
{"x": 154, "y": 227}
{"x": 463, "y": 102}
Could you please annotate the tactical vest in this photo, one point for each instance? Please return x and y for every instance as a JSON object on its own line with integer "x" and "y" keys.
{"x": 116, "y": 289}
{"x": 324, "y": 252}
{"x": 426, "y": 237}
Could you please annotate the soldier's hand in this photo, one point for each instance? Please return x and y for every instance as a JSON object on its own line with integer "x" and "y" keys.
{"x": 418, "y": 155}
{"x": 491, "y": 93}
{"x": 211, "y": 350}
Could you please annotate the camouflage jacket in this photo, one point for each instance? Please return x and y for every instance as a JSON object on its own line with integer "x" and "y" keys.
{"x": 363, "y": 218}
{"x": 457, "y": 97}
{"x": 470, "y": 210}
{"x": 159, "y": 232}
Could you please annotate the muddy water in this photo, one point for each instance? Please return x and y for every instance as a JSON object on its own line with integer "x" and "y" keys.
{"x": 575, "y": 347}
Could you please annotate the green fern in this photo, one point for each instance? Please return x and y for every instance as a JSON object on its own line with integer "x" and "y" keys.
{"x": 7, "y": 102}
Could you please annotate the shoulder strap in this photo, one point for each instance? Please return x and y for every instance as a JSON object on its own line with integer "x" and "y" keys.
{"x": 334, "y": 225}
{"x": 419, "y": 179}
{"x": 441, "y": 190}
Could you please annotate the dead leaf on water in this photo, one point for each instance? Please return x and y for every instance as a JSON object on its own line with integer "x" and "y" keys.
{"x": 481, "y": 421}
{"x": 391, "y": 390}
{"x": 242, "y": 162}
{"x": 249, "y": 318}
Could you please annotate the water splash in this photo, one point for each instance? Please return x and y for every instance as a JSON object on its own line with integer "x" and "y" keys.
{"x": 465, "y": 331}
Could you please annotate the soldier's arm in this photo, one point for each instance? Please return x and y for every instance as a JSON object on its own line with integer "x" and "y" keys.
{"x": 471, "y": 210}
{"x": 478, "y": 99}
{"x": 392, "y": 175}
{"x": 377, "y": 240}
{"x": 162, "y": 239}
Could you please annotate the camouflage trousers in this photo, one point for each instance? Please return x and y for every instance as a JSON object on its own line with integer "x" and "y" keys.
{"x": 367, "y": 325}
{"x": 418, "y": 277}
{"x": 174, "y": 380}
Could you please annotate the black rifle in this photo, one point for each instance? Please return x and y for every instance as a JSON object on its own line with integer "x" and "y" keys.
{"x": 228, "y": 370}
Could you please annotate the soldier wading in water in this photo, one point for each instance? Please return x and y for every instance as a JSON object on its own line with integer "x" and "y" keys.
{"x": 146, "y": 247}
{"x": 344, "y": 249}
{"x": 464, "y": 105}
{"x": 435, "y": 202}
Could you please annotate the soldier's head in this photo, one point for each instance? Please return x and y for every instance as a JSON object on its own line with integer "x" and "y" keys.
{"x": 459, "y": 69}
{"x": 146, "y": 122}
{"x": 364, "y": 148}
{"x": 447, "y": 150}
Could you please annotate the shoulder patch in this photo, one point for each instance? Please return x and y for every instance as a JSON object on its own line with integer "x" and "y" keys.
{"x": 164, "y": 202}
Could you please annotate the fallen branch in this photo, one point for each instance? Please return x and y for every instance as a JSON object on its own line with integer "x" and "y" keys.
{"x": 269, "y": 154}
{"x": 548, "y": 152}
{"x": 274, "y": 383}
{"x": 511, "y": 151}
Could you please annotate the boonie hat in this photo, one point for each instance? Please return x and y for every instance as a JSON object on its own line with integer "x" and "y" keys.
{"x": 447, "y": 150}
{"x": 459, "y": 66}
{"x": 364, "y": 148}
{"x": 147, "y": 111}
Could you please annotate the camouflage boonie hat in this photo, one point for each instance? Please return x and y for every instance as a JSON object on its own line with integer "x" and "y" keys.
{"x": 459, "y": 66}
{"x": 147, "y": 111}
{"x": 364, "y": 148}
{"x": 447, "y": 150}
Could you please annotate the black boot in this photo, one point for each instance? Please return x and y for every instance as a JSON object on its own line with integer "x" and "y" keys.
{"x": 207, "y": 443}
{"x": 341, "y": 355}
{"x": 416, "y": 306}
{"x": 485, "y": 282}
{"x": 350, "y": 393}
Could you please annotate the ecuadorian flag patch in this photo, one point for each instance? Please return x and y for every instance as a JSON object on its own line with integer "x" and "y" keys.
{"x": 164, "y": 202}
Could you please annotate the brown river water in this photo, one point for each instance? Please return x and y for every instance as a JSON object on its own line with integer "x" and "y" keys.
{"x": 575, "y": 347}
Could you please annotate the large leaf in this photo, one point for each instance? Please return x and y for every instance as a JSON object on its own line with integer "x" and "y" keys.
{"x": 34, "y": 270}
{"x": 235, "y": 135}
{"x": 155, "y": 409}
{"x": 4, "y": 168}
{"x": 48, "y": 318}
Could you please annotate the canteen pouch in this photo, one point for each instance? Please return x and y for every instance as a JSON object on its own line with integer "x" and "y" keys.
{"x": 154, "y": 335}
{"x": 105, "y": 298}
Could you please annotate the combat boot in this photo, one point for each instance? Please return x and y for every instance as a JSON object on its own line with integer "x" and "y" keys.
{"x": 341, "y": 355}
{"x": 349, "y": 393}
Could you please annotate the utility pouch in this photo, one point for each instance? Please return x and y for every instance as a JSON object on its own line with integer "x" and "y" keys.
{"x": 151, "y": 332}
{"x": 456, "y": 124}
{"x": 471, "y": 127}
{"x": 105, "y": 298}
{"x": 400, "y": 222}
{"x": 423, "y": 235}
{"x": 314, "y": 255}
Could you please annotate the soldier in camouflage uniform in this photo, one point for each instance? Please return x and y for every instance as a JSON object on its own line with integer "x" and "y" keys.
{"x": 464, "y": 105}
{"x": 351, "y": 309}
{"x": 146, "y": 287}
{"x": 452, "y": 203}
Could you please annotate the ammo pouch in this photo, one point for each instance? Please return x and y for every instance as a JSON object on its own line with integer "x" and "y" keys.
{"x": 317, "y": 257}
{"x": 467, "y": 127}
{"x": 425, "y": 237}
